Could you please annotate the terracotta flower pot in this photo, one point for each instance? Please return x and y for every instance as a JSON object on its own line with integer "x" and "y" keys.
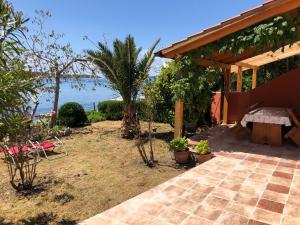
{"x": 203, "y": 158}
{"x": 182, "y": 157}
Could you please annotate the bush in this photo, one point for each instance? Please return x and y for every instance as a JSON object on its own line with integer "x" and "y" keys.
{"x": 202, "y": 147}
{"x": 72, "y": 114}
{"x": 94, "y": 117}
{"x": 113, "y": 110}
{"x": 165, "y": 109}
{"x": 140, "y": 109}
{"x": 179, "y": 144}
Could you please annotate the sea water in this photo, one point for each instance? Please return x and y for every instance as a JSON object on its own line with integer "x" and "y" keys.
{"x": 88, "y": 96}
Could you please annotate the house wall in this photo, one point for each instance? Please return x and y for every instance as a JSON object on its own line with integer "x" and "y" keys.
{"x": 238, "y": 105}
{"x": 283, "y": 91}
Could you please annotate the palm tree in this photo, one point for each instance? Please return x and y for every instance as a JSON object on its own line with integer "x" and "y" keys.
{"x": 125, "y": 71}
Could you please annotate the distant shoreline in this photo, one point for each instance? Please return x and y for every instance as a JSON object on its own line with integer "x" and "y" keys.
{"x": 69, "y": 76}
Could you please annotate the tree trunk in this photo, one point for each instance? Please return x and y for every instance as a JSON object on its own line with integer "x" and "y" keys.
{"x": 34, "y": 110}
{"x": 150, "y": 140}
{"x": 130, "y": 124}
{"x": 56, "y": 98}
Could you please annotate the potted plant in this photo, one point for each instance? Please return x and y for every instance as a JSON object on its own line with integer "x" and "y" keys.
{"x": 201, "y": 152}
{"x": 180, "y": 148}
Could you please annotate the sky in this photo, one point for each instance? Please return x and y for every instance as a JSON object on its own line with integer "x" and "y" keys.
{"x": 146, "y": 20}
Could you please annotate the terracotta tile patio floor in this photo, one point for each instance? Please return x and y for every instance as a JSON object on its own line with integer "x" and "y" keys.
{"x": 244, "y": 184}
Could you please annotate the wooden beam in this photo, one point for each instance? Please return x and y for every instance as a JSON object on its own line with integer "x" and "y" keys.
{"x": 279, "y": 55}
{"x": 239, "y": 81}
{"x": 254, "y": 78}
{"x": 256, "y": 61}
{"x": 224, "y": 66}
{"x": 227, "y": 83}
{"x": 231, "y": 26}
{"x": 178, "y": 130}
{"x": 246, "y": 65}
{"x": 233, "y": 68}
{"x": 270, "y": 57}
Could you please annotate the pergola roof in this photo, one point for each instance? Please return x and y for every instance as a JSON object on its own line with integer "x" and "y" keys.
{"x": 268, "y": 57}
{"x": 250, "y": 59}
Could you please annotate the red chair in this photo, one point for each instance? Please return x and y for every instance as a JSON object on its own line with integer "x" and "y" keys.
{"x": 47, "y": 146}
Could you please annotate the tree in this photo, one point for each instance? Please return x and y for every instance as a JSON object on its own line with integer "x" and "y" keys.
{"x": 16, "y": 88}
{"x": 50, "y": 59}
{"x": 11, "y": 24}
{"x": 126, "y": 73}
{"x": 152, "y": 97}
{"x": 15, "y": 84}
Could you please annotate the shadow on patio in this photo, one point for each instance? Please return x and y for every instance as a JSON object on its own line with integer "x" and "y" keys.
{"x": 223, "y": 141}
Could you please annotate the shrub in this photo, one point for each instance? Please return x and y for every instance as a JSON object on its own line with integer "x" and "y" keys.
{"x": 202, "y": 147}
{"x": 140, "y": 109}
{"x": 56, "y": 128}
{"x": 179, "y": 144}
{"x": 113, "y": 110}
{"x": 94, "y": 117}
{"x": 72, "y": 114}
{"x": 165, "y": 109}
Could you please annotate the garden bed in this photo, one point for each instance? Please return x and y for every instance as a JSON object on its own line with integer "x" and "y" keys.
{"x": 101, "y": 171}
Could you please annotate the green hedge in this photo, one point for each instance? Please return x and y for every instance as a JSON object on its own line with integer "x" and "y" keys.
{"x": 140, "y": 108}
{"x": 94, "y": 117}
{"x": 72, "y": 114}
{"x": 113, "y": 110}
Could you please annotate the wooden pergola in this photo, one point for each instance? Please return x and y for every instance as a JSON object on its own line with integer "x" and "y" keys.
{"x": 230, "y": 63}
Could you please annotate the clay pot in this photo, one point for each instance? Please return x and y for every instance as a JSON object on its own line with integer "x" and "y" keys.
{"x": 203, "y": 158}
{"x": 182, "y": 157}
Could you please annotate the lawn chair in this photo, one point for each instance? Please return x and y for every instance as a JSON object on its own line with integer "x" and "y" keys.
{"x": 47, "y": 146}
{"x": 294, "y": 133}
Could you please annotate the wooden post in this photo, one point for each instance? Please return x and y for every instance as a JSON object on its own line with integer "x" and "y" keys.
{"x": 254, "y": 78}
{"x": 239, "y": 81}
{"x": 178, "y": 131}
{"x": 227, "y": 82}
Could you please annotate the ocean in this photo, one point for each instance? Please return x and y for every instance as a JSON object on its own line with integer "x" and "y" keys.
{"x": 87, "y": 96}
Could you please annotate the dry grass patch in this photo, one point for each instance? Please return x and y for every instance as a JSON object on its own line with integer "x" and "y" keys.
{"x": 101, "y": 171}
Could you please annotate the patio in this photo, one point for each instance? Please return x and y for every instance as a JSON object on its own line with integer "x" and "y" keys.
{"x": 245, "y": 183}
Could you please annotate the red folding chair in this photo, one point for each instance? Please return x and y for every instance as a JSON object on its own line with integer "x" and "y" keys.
{"x": 47, "y": 146}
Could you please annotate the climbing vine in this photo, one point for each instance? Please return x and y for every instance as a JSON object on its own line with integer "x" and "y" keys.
{"x": 195, "y": 84}
{"x": 273, "y": 33}
{"x": 191, "y": 82}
